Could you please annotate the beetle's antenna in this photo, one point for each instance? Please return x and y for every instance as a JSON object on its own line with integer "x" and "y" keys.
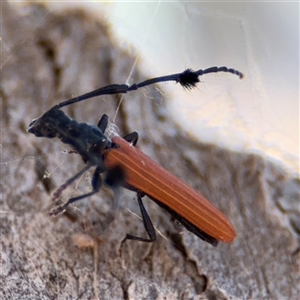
{"x": 188, "y": 79}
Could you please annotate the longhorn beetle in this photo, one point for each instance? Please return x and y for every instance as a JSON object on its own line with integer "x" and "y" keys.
{"x": 127, "y": 166}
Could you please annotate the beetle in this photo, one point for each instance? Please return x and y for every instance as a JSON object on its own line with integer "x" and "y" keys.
{"x": 127, "y": 166}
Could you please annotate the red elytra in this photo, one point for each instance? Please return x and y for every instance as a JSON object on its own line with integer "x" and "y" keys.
{"x": 149, "y": 177}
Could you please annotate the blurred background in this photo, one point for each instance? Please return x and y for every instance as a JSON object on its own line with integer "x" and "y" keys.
{"x": 259, "y": 114}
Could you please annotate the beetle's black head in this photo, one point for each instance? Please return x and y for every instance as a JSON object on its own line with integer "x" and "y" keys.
{"x": 47, "y": 125}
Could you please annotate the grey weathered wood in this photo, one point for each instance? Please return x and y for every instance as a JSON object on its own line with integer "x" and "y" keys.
{"x": 54, "y": 56}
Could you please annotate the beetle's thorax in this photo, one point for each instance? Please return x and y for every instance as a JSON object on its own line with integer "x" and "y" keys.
{"x": 87, "y": 140}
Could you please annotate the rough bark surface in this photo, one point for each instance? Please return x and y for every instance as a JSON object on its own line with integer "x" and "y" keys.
{"x": 50, "y": 57}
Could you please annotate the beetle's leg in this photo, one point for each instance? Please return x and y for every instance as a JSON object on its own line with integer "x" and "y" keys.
{"x": 102, "y": 124}
{"x": 115, "y": 176}
{"x": 96, "y": 183}
{"x": 147, "y": 224}
{"x": 60, "y": 189}
{"x": 131, "y": 137}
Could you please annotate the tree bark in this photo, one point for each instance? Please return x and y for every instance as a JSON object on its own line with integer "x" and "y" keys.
{"x": 49, "y": 57}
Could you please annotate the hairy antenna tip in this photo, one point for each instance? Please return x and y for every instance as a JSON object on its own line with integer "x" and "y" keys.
{"x": 188, "y": 79}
